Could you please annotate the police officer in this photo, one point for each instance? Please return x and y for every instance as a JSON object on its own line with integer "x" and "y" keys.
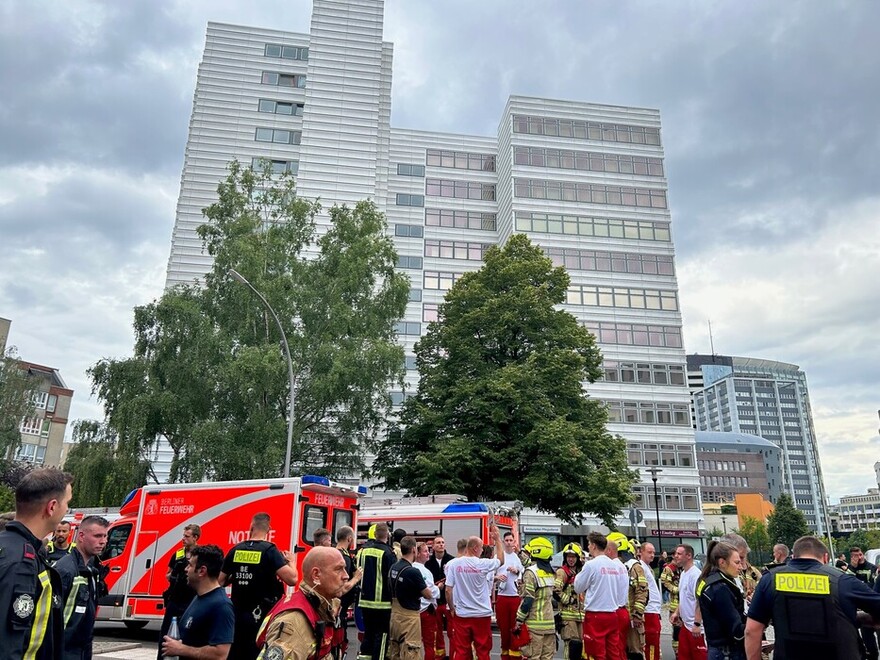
{"x": 179, "y": 594}
{"x": 812, "y": 607}
{"x": 257, "y": 571}
{"x": 375, "y": 560}
{"x": 60, "y": 545}
{"x": 30, "y": 589}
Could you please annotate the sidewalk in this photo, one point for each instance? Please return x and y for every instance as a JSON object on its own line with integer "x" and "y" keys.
{"x": 123, "y": 651}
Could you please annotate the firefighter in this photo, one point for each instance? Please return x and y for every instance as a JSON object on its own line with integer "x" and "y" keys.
{"x": 60, "y": 545}
{"x": 617, "y": 544}
{"x": 637, "y": 601}
{"x": 571, "y": 604}
{"x": 669, "y": 579}
{"x": 536, "y": 608}
{"x": 179, "y": 594}
{"x": 375, "y": 560}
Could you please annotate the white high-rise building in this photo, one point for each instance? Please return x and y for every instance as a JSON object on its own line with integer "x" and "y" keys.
{"x": 585, "y": 181}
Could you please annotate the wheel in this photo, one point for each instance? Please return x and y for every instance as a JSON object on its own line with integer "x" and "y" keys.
{"x": 135, "y": 625}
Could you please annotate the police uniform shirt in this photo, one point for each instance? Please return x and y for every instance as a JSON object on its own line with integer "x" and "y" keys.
{"x": 208, "y": 621}
{"x": 407, "y": 584}
{"x": 251, "y": 567}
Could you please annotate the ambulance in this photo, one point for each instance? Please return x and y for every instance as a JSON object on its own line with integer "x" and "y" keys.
{"x": 149, "y": 530}
{"x": 449, "y": 516}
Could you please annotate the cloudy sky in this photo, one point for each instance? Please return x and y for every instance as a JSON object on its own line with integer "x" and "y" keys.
{"x": 770, "y": 126}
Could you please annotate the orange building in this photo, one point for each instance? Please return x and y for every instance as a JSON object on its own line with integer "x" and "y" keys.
{"x": 752, "y": 505}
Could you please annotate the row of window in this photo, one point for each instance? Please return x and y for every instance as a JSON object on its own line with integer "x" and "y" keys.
{"x": 276, "y": 166}
{"x": 636, "y": 334}
{"x": 404, "y": 199}
{"x": 441, "y": 281}
{"x": 45, "y": 401}
{"x": 587, "y": 161}
{"x": 460, "y": 189}
{"x": 730, "y": 482}
{"x": 612, "y": 262}
{"x": 578, "y": 191}
{"x": 278, "y": 136}
{"x": 283, "y": 79}
{"x": 672, "y": 498}
{"x": 407, "y": 169}
{"x": 408, "y": 328}
{"x": 586, "y": 130}
{"x": 281, "y": 107}
{"x": 456, "y": 250}
{"x": 460, "y": 219}
{"x": 575, "y": 225}
{"x": 647, "y": 373}
{"x": 460, "y": 160}
{"x": 406, "y": 261}
{"x": 648, "y": 412}
{"x": 667, "y": 455}
{"x": 622, "y": 297}
{"x": 35, "y": 426}
{"x": 409, "y": 231}
{"x": 286, "y": 52}
{"x": 28, "y": 453}
{"x": 722, "y": 466}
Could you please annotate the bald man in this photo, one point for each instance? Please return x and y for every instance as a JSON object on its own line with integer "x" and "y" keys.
{"x": 290, "y": 630}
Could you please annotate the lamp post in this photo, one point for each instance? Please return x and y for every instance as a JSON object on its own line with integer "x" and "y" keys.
{"x": 654, "y": 471}
{"x": 234, "y": 274}
{"x": 724, "y": 523}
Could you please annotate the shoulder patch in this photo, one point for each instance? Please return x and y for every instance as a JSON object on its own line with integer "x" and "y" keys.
{"x": 274, "y": 653}
{"x": 23, "y": 606}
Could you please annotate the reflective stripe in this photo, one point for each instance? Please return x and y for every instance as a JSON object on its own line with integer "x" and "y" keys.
{"x": 378, "y": 603}
{"x": 41, "y": 617}
{"x": 71, "y": 599}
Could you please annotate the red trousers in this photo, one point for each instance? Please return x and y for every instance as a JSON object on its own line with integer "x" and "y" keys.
{"x": 601, "y": 636}
{"x": 444, "y": 620}
{"x": 428, "y": 619}
{"x": 505, "y": 616}
{"x": 622, "y": 630}
{"x": 652, "y": 637}
{"x": 690, "y": 647}
{"x": 476, "y": 631}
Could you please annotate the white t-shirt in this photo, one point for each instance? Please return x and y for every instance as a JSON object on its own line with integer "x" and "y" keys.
{"x": 687, "y": 595}
{"x": 654, "y": 599}
{"x": 470, "y": 588}
{"x": 622, "y": 585}
{"x": 599, "y": 581}
{"x": 429, "y": 580}
{"x": 508, "y": 586}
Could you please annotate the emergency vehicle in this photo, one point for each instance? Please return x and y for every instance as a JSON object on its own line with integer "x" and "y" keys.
{"x": 449, "y": 516}
{"x": 149, "y": 530}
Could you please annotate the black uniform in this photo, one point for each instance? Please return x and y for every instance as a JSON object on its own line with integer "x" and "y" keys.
{"x": 865, "y": 572}
{"x": 722, "y": 604}
{"x": 436, "y": 567}
{"x": 177, "y": 596}
{"x": 375, "y": 560}
{"x": 251, "y": 567}
{"x": 55, "y": 554}
{"x": 81, "y": 586}
{"x": 813, "y": 610}
{"x": 407, "y": 585}
{"x": 30, "y": 598}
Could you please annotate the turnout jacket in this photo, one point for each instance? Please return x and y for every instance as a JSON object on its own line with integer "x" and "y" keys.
{"x": 81, "y": 586}
{"x": 30, "y": 598}
{"x": 375, "y": 559}
{"x": 638, "y": 589}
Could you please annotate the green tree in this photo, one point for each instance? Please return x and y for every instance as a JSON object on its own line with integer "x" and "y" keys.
{"x": 7, "y": 498}
{"x": 786, "y": 524}
{"x": 16, "y": 401}
{"x": 501, "y": 412}
{"x": 755, "y": 533}
{"x": 103, "y": 476}
{"x": 865, "y": 539}
{"x": 207, "y": 371}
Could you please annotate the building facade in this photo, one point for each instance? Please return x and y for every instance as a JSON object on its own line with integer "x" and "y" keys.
{"x": 768, "y": 399}
{"x": 584, "y": 181}
{"x": 737, "y": 463}
{"x": 859, "y": 511}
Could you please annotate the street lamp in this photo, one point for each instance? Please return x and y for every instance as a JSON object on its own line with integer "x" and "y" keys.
{"x": 234, "y": 274}
{"x": 724, "y": 523}
{"x": 654, "y": 471}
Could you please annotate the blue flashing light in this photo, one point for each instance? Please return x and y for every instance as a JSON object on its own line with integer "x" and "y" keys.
{"x": 466, "y": 507}
{"x": 314, "y": 479}
{"x": 362, "y": 490}
{"x": 128, "y": 498}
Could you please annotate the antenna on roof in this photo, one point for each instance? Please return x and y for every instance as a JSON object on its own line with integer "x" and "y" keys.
{"x": 711, "y": 340}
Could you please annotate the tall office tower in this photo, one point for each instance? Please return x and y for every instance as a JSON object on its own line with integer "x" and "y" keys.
{"x": 768, "y": 399}
{"x": 584, "y": 181}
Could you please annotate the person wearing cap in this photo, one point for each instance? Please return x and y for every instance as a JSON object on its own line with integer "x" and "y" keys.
{"x": 570, "y": 602}
{"x": 536, "y": 608}
{"x": 600, "y": 581}
{"x": 618, "y": 542}
{"x": 507, "y": 600}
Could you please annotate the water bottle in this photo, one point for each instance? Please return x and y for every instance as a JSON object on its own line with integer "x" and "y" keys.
{"x": 173, "y": 633}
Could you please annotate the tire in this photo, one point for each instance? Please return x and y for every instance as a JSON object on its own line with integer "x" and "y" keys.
{"x": 135, "y": 625}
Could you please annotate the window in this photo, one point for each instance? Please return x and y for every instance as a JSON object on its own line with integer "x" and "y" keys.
{"x": 430, "y": 312}
{"x": 441, "y": 281}
{"x": 31, "y": 425}
{"x": 460, "y": 219}
{"x": 405, "y": 261}
{"x": 341, "y": 518}
{"x": 278, "y": 136}
{"x": 280, "y": 107}
{"x": 409, "y": 362}
{"x": 398, "y": 397}
{"x": 405, "y": 169}
{"x": 314, "y": 518}
{"x": 554, "y": 223}
{"x": 50, "y": 406}
{"x": 415, "y": 295}
{"x": 456, "y": 250}
{"x": 275, "y": 166}
{"x": 117, "y": 539}
{"x": 408, "y": 328}
{"x": 461, "y": 160}
{"x": 40, "y": 399}
{"x": 607, "y": 296}
{"x": 286, "y": 52}
{"x": 586, "y": 130}
{"x": 409, "y": 231}
{"x": 460, "y": 189}
{"x": 612, "y": 262}
{"x": 650, "y": 412}
{"x": 587, "y": 161}
{"x": 635, "y": 334}
{"x": 578, "y": 191}
{"x": 29, "y": 453}
{"x": 410, "y": 200}
{"x": 283, "y": 79}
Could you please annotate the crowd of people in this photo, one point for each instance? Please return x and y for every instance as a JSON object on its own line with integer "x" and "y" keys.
{"x": 409, "y": 597}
